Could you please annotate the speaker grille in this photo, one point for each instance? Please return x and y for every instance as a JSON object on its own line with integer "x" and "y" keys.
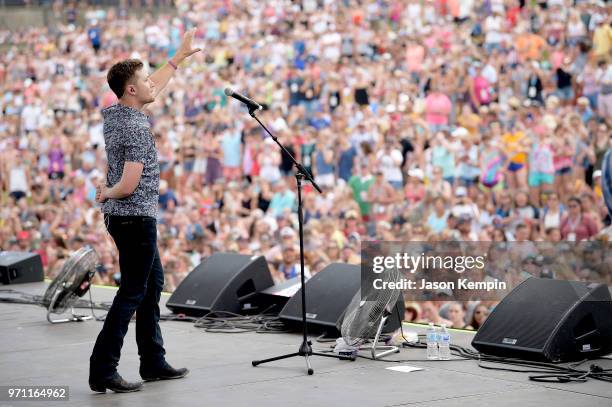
{"x": 527, "y": 316}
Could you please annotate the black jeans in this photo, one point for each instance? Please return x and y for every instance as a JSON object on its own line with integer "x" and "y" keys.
{"x": 142, "y": 280}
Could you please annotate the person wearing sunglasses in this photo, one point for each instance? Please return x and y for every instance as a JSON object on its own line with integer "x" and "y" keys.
{"x": 577, "y": 225}
{"x": 480, "y": 314}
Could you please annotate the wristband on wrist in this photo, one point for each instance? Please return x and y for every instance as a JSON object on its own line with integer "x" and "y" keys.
{"x": 172, "y": 64}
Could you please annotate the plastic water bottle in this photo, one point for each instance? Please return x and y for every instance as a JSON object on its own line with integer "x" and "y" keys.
{"x": 444, "y": 344}
{"x": 432, "y": 342}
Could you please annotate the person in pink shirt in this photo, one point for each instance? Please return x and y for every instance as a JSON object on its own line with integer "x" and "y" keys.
{"x": 443, "y": 37}
{"x": 437, "y": 109}
{"x": 108, "y": 99}
{"x": 556, "y": 58}
{"x": 577, "y": 225}
{"x": 415, "y": 55}
{"x": 480, "y": 91}
{"x": 80, "y": 189}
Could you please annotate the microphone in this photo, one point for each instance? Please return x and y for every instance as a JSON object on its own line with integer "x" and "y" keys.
{"x": 251, "y": 104}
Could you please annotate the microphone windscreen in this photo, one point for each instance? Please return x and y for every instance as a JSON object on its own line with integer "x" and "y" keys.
{"x": 229, "y": 91}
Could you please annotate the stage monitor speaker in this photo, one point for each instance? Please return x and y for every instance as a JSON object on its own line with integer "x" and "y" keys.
{"x": 222, "y": 282}
{"x": 328, "y": 294}
{"x": 549, "y": 320}
{"x": 273, "y": 299}
{"x": 20, "y": 267}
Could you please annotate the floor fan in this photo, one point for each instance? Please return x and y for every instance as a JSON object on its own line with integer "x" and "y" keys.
{"x": 72, "y": 282}
{"x": 366, "y": 316}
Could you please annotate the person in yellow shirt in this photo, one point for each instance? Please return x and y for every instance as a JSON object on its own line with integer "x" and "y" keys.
{"x": 597, "y": 184}
{"x": 469, "y": 120}
{"x": 516, "y": 146}
{"x": 602, "y": 40}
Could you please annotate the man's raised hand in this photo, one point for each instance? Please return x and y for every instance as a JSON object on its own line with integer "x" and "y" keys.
{"x": 186, "y": 50}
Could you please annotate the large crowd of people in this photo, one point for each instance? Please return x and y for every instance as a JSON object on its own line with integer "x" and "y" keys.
{"x": 422, "y": 120}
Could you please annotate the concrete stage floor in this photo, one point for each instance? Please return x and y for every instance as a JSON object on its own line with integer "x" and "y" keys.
{"x": 34, "y": 352}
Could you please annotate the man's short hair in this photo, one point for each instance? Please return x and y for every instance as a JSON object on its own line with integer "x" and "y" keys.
{"x": 121, "y": 73}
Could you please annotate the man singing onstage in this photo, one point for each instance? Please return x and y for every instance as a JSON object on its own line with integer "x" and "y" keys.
{"x": 129, "y": 201}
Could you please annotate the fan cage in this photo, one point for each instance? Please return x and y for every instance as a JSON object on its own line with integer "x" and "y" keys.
{"x": 60, "y": 295}
{"x": 366, "y": 311}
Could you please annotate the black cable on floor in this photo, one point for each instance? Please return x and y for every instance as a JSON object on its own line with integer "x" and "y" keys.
{"x": 18, "y": 301}
{"x": 547, "y": 372}
{"x": 30, "y": 299}
{"x": 229, "y": 322}
{"x": 323, "y": 338}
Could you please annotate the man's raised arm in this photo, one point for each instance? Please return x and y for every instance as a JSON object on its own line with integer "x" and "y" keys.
{"x": 162, "y": 76}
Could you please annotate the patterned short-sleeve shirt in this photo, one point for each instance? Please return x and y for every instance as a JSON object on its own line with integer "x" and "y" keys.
{"x": 127, "y": 135}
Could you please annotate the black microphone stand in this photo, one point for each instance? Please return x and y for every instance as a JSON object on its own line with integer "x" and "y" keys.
{"x": 300, "y": 174}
